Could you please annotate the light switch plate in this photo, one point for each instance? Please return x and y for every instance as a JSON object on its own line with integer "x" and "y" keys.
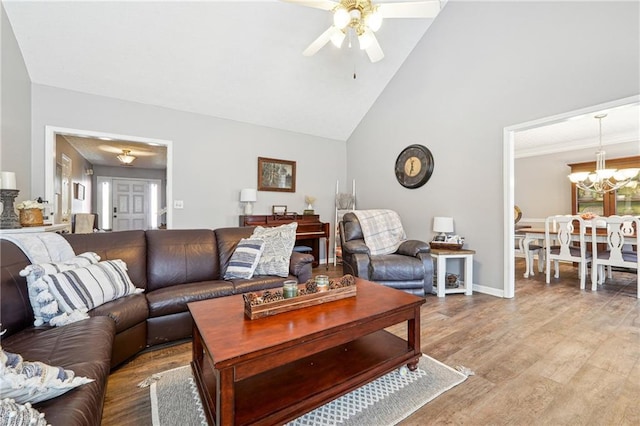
{"x": 178, "y": 204}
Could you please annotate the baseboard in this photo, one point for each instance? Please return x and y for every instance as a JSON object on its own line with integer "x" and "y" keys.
{"x": 491, "y": 291}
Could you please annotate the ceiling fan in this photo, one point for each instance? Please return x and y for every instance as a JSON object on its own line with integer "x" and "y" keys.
{"x": 364, "y": 18}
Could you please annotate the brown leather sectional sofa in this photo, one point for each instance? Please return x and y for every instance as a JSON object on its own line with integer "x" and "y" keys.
{"x": 174, "y": 267}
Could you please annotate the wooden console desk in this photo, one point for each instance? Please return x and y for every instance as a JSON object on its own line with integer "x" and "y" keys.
{"x": 309, "y": 232}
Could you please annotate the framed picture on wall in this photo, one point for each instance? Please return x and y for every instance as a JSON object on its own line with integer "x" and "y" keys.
{"x": 78, "y": 191}
{"x": 276, "y": 175}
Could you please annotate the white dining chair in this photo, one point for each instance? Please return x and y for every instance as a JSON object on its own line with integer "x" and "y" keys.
{"x": 533, "y": 250}
{"x": 621, "y": 237}
{"x": 560, "y": 245}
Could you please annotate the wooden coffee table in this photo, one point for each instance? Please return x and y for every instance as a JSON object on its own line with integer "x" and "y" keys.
{"x": 274, "y": 369}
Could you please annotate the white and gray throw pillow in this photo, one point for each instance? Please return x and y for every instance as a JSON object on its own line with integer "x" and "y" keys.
{"x": 37, "y": 271}
{"x": 244, "y": 259}
{"x": 66, "y": 296}
{"x": 279, "y": 242}
{"x": 14, "y": 414}
{"x": 32, "y": 382}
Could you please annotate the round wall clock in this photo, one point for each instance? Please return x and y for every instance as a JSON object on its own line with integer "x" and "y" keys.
{"x": 414, "y": 166}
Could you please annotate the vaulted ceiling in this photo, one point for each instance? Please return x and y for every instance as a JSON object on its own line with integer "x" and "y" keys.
{"x": 238, "y": 60}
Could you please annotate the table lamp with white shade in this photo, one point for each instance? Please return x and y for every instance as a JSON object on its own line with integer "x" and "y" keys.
{"x": 248, "y": 196}
{"x": 442, "y": 225}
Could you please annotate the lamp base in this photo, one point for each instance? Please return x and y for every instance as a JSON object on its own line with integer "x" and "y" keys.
{"x": 248, "y": 208}
{"x": 9, "y": 218}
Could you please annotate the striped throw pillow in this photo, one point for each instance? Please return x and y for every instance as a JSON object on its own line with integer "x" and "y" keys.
{"x": 37, "y": 271}
{"x": 244, "y": 259}
{"x": 82, "y": 289}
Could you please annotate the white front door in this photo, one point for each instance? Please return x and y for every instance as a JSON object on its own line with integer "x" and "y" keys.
{"x": 131, "y": 204}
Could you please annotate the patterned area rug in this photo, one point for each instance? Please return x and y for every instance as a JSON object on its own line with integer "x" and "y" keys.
{"x": 385, "y": 401}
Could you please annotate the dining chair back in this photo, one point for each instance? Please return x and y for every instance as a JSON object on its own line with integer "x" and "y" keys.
{"x": 560, "y": 243}
{"x": 622, "y": 245}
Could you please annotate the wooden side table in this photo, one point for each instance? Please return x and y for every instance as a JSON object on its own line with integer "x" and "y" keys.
{"x": 441, "y": 256}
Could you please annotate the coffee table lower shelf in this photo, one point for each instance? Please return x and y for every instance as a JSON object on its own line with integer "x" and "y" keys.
{"x": 284, "y": 393}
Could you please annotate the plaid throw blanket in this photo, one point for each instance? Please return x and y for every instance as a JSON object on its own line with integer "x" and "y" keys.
{"x": 382, "y": 230}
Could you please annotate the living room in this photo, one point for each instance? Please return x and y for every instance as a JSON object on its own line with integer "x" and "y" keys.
{"x": 479, "y": 68}
{"x": 513, "y": 63}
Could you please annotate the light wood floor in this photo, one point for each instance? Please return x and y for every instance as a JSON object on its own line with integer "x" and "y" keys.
{"x": 553, "y": 355}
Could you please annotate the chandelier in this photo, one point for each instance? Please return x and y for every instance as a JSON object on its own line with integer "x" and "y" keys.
{"x": 126, "y": 158}
{"x": 603, "y": 180}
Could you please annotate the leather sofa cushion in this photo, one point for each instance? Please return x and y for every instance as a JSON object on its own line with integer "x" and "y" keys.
{"x": 259, "y": 283}
{"x": 181, "y": 256}
{"x": 85, "y": 348}
{"x": 174, "y": 299}
{"x": 15, "y": 309}
{"x": 227, "y": 239}
{"x": 395, "y": 267}
{"x": 130, "y": 246}
{"x": 125, "y": 312}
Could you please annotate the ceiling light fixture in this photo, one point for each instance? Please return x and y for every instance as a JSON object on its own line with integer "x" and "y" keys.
{"x": 364, "y": 18}
{"x": 126, "y": 158}
{"x": 603, "y": 180}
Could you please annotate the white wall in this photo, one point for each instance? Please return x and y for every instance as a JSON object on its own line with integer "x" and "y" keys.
{"x": 544, "y": 177}
{"x": 481, "y": 67}
{"x": 15, "y": 115}
{"x": 213, "y": 158}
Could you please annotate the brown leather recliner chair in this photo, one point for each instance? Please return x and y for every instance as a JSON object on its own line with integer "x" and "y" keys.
{"x": 409, "y": 269}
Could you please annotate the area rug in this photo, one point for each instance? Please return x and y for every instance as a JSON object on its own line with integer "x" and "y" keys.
{"x": 385, "y": 401}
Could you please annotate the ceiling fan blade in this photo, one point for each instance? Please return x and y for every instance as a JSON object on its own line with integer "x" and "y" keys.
{"x": 374, "y": 51}
{"x": 316, "y": 4}
{"x": 319, "y": 43}
{"x": 417, "y": 9}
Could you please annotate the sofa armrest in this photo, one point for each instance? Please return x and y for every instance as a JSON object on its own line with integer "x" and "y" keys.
{"x": 360, "y": 262}
{"x": 356, "y": 246}
{"x": 413, "y": 247}
{"x": 301, "y": 266}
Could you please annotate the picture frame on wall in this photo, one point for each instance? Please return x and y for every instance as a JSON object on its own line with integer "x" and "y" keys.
{"x": 276, "y": 175}
{"x": 78, "y": 191}
{"x": 276, "y": 210}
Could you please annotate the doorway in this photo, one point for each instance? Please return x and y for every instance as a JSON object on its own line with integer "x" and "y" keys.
{"x": 509, "y": 178}
{"x": 125, "y": 204}
{"x": 52, "y": 132}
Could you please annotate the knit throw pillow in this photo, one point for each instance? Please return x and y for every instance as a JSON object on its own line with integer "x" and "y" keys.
{"x": 32, "y": 382}
{"x": 277, "y": 251}
{"x": 244, "y": 259}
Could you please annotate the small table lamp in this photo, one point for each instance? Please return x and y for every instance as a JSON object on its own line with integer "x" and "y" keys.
{"x": 442, "y": 225}
{"x": 248, "y": 196}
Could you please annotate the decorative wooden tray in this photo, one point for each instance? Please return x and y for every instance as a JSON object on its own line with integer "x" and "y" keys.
{"x": 445, "y": 246}
{"x": 271, "y": 302}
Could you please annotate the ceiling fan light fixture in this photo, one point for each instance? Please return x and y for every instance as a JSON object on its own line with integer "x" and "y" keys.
{"x": 126, "y": 157}
{"x": 374, "y": 20}
{"x": 365, "y": 40}
{"x": 338, "y": 38}
{"x": 341, "y": 18}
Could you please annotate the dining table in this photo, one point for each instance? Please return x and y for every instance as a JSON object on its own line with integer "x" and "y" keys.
{"x": 538, "y": 235}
